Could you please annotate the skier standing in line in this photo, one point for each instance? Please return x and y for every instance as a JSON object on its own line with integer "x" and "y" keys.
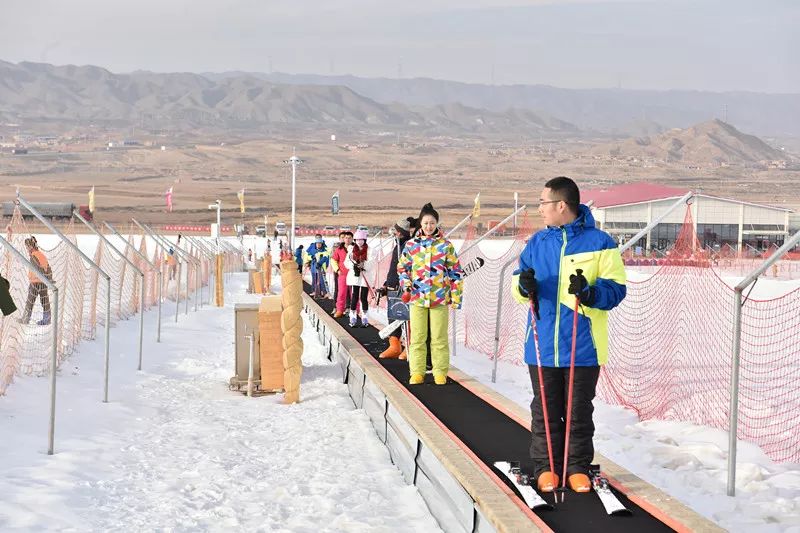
{"x": 431, "y": 277}
{"x": 341, "y": 296}
{"x": 569, "y": 262}
{"x": 358, "y": 264}
{"x": 37, "y": 287}
{"x": 318, "y": 255}
{"x": 402, "y": 233}
{"x": 298, "y": 258}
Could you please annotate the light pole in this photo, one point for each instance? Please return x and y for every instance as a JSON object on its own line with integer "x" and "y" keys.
{"x": 218, "y": 206}
{"x": 294, "y": 161}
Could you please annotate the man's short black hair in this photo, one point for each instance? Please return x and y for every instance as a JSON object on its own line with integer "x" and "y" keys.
{"x": 567, "y": 190}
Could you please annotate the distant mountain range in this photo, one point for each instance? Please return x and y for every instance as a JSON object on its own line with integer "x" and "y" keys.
{"x": 255, "y": 100}
{"x": 611, "y": 111}
{"x": 711, "y": 142}
{"x": 42, "y": 91}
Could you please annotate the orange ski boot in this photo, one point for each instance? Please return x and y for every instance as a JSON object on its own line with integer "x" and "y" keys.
{"x": 579, "y": 482}
{"x": 547, "y": 481}
{"x": 393, "y": 351}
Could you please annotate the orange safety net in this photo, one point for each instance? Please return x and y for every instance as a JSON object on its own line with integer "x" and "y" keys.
{"x": 475, "y": 322}
{"x": 25, "y": 348}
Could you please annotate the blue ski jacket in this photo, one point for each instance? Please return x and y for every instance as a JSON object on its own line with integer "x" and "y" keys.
{"x": 319, "y": 256}
{"x": 554, "y": 253}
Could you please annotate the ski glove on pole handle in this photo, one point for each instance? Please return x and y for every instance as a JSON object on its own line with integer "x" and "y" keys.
{"x": 527, "y": 281}
{"x": 581, "y": 289}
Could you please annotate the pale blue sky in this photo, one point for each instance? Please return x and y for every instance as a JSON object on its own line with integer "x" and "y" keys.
{"x": 643, "y": 44}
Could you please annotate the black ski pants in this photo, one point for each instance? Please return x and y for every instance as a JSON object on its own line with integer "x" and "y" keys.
{"x": 359, "y": 293}
{"x": 556, "y": 387}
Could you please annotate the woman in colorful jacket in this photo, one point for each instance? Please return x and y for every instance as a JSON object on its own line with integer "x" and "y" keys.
{"x": 358, "y": 264}
{"x": 431, "y": 277}
{"x": 37, "y": 288}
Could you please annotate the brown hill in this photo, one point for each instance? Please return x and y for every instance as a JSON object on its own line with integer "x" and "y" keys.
{"x": 184, "y": 100}
{"x": 712, "y": 142}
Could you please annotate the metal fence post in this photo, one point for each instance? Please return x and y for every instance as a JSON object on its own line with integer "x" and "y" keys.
{"x": 733, "y": 426}
{"x": 644, "y": 231}
{"x": 210, "y": 258}
{"x": 141, "y": 275}
{"x": 96, "y": 267}
{"x": 493, "y": 230}
{"x": 152, "y": 267}
{"x": 180, "y": 252}
{"x": 497, "y": 316}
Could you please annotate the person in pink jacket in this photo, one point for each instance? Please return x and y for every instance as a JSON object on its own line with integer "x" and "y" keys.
{"x": 340, "y": 269}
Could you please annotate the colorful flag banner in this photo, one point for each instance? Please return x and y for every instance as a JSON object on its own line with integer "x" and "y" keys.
{"x": 335, "y": 203}
{"x": 240, "y": 195}
{"x": 91, "y": 200}
{"x": 169, "y": 199}
{"x": 476, "y": 209}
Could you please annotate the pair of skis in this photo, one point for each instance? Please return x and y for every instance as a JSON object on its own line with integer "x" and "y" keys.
{"x": 525, "y": 483}
{"x": 467, "y": 269}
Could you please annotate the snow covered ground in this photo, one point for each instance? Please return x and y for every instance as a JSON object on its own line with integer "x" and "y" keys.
{"x": 175, "y": 450}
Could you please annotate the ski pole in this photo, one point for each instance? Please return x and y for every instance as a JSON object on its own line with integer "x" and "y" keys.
{"x": 541, "y": 393}
{"x": 569, "y": 390}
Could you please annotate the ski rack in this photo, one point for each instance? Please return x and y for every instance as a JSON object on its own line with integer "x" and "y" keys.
{"x": 462, "y": 492}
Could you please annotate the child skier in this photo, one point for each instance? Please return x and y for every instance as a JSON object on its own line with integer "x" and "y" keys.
{"x": 430, "y": 275}
{"x": 37, "y": 287}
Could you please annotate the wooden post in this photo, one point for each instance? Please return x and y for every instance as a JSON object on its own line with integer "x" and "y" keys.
{"x": 292, "y": 326}
{"x": 271, "y": 343}
{"x": 218, "y": 279}
{"x": 266, "y": 268}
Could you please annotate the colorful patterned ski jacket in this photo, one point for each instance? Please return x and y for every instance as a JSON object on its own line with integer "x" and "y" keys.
{"x": 554, "y": 253}
{"x": 429, "y": 267}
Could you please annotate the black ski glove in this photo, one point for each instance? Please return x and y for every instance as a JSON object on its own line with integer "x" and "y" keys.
{"x": 527, "y": 282}
{"x": 581, "y": 289}
{"x": 356, "y": 269}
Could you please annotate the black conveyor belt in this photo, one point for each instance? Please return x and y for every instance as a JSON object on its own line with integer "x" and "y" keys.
{"x": 493, "y": 436}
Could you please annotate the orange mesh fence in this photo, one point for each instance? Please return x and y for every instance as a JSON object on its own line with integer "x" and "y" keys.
{"x": 475, "y": 322}
{"x": 25, "y": 348}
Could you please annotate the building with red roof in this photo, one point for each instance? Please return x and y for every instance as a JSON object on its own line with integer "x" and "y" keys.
{"x": 624, "y": 210}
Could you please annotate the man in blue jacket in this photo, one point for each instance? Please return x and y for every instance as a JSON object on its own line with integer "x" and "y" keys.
{"x": 318, "y": 256}
{"x": 568, "y": 261}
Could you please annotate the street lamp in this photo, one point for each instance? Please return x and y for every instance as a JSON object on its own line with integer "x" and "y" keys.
{"x": 294, "y": 161}
{"x": 218, "y": 206}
